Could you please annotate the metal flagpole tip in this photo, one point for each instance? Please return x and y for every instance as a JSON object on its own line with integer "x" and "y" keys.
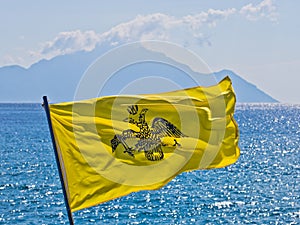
{"x": 45, "y": 100}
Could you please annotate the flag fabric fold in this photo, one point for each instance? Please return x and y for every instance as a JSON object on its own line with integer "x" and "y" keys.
{"x": 112, "y": 146}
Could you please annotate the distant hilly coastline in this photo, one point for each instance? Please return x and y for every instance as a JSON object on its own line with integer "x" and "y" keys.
{"x": 245, "y": 91}
{"x": 59, "y": 77}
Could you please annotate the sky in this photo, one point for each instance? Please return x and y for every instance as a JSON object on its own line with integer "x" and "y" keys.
{"x": 259, "y": 40}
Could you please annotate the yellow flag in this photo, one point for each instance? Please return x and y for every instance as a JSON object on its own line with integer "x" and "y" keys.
{"x": 111, "y": 146}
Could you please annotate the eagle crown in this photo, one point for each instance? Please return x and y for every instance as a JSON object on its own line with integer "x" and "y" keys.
{"x": 138, "y": 120}
{"x": 133, "y": 109}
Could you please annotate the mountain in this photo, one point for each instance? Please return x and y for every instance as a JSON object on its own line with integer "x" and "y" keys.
{"x": 59, "y": 77}
{"x": 245, "y": 91}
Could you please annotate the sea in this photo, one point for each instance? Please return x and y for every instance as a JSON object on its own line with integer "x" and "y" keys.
{"x": 262, "y": 187}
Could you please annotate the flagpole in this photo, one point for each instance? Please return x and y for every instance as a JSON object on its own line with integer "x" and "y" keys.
{"x": 46, "y": 107}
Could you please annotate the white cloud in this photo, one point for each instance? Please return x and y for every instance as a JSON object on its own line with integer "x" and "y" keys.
{"x": 265, "y": 9}
{"x": 68, "y": 42}
{"x": 185, "y": 30}
{"x": 210, "y": 18}
{"x": 162, "y": 27}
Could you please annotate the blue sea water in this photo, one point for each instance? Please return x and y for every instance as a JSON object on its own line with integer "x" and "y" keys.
{"x": 263, "y": 187}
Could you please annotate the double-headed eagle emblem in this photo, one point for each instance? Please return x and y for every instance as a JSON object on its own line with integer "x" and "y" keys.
{"x": 147, "y": 139}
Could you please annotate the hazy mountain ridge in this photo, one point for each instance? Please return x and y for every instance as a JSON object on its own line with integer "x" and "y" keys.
{"x": 245, "y": 91}
{"x": 58, "y": 78}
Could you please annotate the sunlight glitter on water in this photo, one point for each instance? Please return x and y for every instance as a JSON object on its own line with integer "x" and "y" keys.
{"x": 262, "y": 187}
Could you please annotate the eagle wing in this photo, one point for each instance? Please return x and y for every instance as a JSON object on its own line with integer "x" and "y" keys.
{"x": 162, "y": 128}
